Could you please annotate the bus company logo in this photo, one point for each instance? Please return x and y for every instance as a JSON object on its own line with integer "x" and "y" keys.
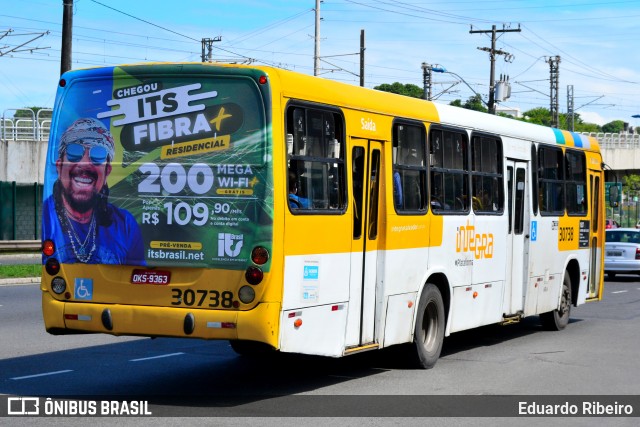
{"x": 479, "y": 244}
{"x": 230, "y": 244}
{"x": 23, "y": 406}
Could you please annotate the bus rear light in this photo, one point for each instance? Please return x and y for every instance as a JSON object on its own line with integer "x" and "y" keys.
{"x": 246, "y": 294}
{"x": 253, "y": 275}
{"x": 48, "y": 247}
{"x": 637, "y": 253}
{"x": 62, "y": 82}
{"x": 52, "y": 266}
{"x": 259, "y": 255}
{"x": 58, "y": 285}
{"x": 262, "y": 80}
{"x": 77, "y": 317}
{"x": 297, "y": 323}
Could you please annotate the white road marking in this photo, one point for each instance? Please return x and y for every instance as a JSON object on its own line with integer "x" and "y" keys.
{"x": 619, "y": 292}
{"x": 156, "y": 357}
{"x": 42, "y": 375}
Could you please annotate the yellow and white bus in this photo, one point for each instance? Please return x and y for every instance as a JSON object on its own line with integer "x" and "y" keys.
{"x": 287, "y": 212}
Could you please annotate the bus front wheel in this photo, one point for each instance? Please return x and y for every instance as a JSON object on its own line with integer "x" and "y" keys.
{"x": 429, "y": 331}
{"x": 558, "y": 319}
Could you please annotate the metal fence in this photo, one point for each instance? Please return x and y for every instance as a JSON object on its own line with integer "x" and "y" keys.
{"x": 32, "y": 127}
{"x": 20, "y": 211}
{"x": 616, "y": 140}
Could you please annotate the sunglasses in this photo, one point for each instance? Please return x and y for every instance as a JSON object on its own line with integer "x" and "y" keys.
{"x": 97, "y": 153}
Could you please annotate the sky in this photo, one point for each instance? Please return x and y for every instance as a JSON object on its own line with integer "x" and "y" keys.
{"x": 597, "y": 41}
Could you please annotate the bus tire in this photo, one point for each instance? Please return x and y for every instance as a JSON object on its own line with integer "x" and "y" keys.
{"x": 429, "y": 330}
{"x": 558, "y": 319}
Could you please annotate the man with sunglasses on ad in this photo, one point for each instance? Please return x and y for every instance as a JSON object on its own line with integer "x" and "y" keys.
{"x": 87, "y": 228}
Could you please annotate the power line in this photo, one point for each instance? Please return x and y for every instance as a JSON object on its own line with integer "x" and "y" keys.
{"x": 145, "y": 21}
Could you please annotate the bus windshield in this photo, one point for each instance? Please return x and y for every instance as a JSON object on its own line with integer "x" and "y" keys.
{"x": 158, "y": 167}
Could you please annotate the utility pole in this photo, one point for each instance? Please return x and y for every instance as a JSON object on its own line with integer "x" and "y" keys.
{"x": 554, "y": 77}
{"x": 570, "y": 110}
{"x": 316, "y": 51}
{"x": 362, "y": 58}
{"x": 67, "y": 26}
{"x": 492, "y": 56}
{"x": 426, "y": 81}
{"x": 207, "y": 48}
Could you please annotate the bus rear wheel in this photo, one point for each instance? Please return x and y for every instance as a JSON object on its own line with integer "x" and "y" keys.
{"x": 429, "y": 331}
{"x": 558, "y": 319}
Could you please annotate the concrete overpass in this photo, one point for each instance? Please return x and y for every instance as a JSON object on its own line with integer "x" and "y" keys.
{"x": 621, "y": 152}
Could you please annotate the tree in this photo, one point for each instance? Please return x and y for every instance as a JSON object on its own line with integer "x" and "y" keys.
{"x": 402, "y": 89}
{"x": 473, "y": 103}
{"x": 539, "y": 116}
{"x": 22, "y": 114}
{"x": 615, "y": 126}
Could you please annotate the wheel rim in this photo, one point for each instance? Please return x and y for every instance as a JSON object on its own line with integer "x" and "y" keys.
{"x": 430, "y": 326}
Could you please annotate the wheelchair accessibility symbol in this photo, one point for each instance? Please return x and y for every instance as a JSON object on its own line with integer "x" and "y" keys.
{"x": 534, "y": 231}
{"x": 83, "y": 289}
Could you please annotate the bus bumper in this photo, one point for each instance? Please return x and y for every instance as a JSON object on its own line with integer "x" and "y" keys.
{"x": 259, "y": 324}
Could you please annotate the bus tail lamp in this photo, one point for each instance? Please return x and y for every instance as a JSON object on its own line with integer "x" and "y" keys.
{"x": 62, "y": 82}
{"x": 637, "y": 253}
{"x": 259, "y": 255}
{"x": 262, "y": 80}
{"x": 52, "y": 266}
{"x": 48, "y": 247}
{"x": 297, "y": 323}
{"x": 246, "y": 294}
{"x": 58, "y": 285}
{"x": 253, "y": 275}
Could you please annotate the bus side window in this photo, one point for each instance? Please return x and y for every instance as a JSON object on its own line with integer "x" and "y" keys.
{"x": 449, "y": 171}
{"x": 576, "y": 182}
{"x": 409, "y": 168}
{"x": 551, "y": 180}
{"x": 315, "y": 150}
{"x": 486, "y": 174}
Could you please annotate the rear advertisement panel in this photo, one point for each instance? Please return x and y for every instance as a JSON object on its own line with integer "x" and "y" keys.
{"x": 158, "y": 166}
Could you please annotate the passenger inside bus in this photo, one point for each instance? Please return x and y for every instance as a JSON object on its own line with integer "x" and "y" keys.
{"x": 295, "y": 201}
{"x": 397, "y": 190}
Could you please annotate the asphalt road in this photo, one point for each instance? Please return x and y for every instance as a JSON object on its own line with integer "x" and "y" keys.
{"x": 596, "y": 355}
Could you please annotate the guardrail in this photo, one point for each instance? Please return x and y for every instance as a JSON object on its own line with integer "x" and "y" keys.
{"x": 20, "y": 245}
{"x": 33, "y": 127}
{"x": 616, "y": 140}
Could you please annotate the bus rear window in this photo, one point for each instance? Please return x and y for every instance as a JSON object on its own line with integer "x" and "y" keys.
{"x": 173, "y": 164}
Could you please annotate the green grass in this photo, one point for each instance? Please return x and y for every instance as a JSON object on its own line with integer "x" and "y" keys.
{"x": 16, "y": 271}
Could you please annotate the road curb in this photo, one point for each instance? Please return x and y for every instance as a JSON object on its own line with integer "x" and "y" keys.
{"x": 19, "y": 281}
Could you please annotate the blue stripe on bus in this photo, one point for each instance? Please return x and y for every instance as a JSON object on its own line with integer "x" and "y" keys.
{"x": 559, "y": 136}
{"x": 580, "y": 140}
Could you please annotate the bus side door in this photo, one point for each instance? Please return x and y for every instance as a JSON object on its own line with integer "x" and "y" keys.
{"x": 596, "y": 243}
{"x": 366, "y": 164}
{"x": 517, "y": 237}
